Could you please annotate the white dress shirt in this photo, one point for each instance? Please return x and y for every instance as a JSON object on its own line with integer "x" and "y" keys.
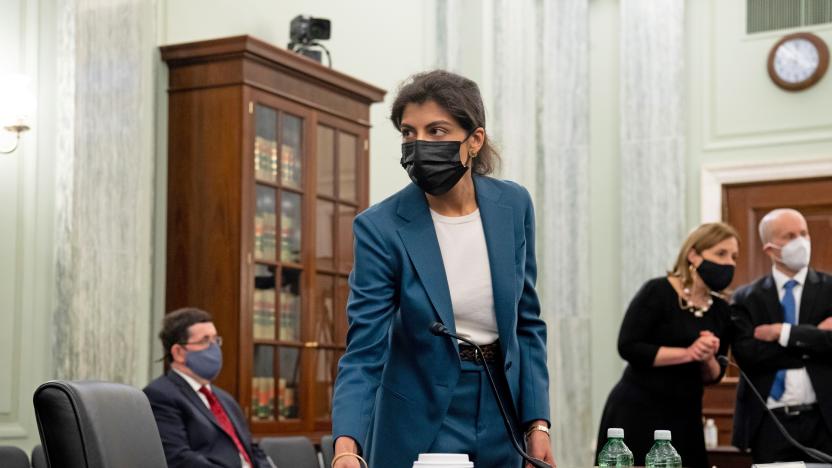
{"x": 196, "y": 386}
{"x": 799, "y": 389}
{"x": 465, "y": 256}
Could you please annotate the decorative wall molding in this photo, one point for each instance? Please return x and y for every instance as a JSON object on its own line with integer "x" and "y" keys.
{"x": 766, "y": 139}
{"x": 25, "y": 200}
{"x": 716, "y": 139}
{"x": 715, "y": 176}
{"x": 12, "y": 430}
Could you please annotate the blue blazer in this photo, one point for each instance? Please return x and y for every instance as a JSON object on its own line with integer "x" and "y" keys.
{"x": 396, "y": 380}
{"x": 190, "y": 434}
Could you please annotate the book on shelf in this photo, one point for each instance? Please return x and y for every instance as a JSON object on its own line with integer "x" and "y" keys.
{"x": 289, "y": 232}
{"x": 262, "y": 398}
{"x": 290, "y": 165}
{"x": 258, "y": 235}
{"x": 265, "y": 226}
{"x": 270, "y": 235}
{"x": 264, "y": 314}
{"x": 265, "y": 159}
{"x": 289, "y": 316}
{"x": 286, "y": 404}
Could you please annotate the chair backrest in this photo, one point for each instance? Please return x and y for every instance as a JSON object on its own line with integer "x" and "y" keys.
{"x": 90, "y": 424}
{"x": 38, "y": 457}
{"x": 294, "y": 452}
{"x": 13, "y": 457}
{"x": 327, "y": 450}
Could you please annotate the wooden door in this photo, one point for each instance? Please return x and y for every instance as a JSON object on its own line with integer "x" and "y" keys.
{"x": 743, "y": 206}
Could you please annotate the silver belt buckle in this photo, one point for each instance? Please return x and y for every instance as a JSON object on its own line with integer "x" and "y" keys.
{"x": 791, "y": 412}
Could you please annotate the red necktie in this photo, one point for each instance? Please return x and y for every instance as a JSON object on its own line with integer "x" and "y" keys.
{"x": 222, "y": 419}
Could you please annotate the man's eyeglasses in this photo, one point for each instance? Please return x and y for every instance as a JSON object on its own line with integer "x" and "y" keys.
{"x": 205, "y": 341}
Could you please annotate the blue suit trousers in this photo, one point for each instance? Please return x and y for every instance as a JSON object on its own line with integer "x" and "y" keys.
{"x": 473, "y": 424}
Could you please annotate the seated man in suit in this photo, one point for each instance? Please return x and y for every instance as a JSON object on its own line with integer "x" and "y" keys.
{"x": 200, "y": 425}
{"x": 784, "y": 343}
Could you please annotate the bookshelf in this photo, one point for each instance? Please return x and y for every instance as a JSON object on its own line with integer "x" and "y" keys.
{"x": 267, "y": 167}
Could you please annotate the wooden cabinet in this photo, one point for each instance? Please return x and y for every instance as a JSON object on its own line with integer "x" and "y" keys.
{"x": 268, "y": 166}
{"x": 718, "y": 404}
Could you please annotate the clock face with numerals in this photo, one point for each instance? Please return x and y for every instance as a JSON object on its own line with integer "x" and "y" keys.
{"x": 798, "y": 61}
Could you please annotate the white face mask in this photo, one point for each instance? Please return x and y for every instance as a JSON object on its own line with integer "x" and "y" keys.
{"x": 795, "y": 255}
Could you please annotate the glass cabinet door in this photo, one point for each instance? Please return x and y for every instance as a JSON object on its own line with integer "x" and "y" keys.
{"x": 337, "y": 182}
{"x": 277, "y": 301}
{"x": 307, "y": 192}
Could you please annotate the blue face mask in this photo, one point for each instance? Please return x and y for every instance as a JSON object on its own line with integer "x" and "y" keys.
{"x": 205, "y": 363}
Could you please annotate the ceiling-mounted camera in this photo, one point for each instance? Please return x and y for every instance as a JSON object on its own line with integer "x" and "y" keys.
{"x": 304, "y": 34}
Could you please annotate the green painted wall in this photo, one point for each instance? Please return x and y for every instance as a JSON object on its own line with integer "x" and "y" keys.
{"x": 26, "y": 224}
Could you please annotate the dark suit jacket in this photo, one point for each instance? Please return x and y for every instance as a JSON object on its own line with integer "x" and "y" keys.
{"x": 758, "y": 303}
{"x": 190, "y": 434}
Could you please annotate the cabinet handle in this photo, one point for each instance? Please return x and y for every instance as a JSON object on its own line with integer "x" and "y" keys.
{"x": 310, "y": 344}
{"x": 251, "y": 107}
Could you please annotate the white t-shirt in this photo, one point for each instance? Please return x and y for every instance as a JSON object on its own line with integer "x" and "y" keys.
{"x": 465, "y": 256}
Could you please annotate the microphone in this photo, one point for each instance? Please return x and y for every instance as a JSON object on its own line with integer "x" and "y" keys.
{"x": 814, "y": 453}
{"x": 441, "y": 330}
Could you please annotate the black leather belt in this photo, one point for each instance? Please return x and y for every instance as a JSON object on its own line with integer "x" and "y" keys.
{"x": 794, "y": 410}
{"x": 491, "y": 352}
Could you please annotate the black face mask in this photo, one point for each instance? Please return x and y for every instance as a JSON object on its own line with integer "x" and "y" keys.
{"x": 433, "y": 165}
{"x": 716, "y": 276}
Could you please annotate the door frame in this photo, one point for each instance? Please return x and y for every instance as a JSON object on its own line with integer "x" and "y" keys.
{"x": 715, "y": 176}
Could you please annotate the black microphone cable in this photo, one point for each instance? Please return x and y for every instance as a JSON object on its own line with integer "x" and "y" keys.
{"x": 814, "y": 453}
{"x": 441, "y": 330}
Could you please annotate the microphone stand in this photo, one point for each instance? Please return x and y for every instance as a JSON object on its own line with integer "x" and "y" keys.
{"x": 814, "y": 453}
{"x": 441, "y": 330}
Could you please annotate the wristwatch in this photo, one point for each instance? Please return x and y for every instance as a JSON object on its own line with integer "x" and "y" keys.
{"x": 537, "y": 427}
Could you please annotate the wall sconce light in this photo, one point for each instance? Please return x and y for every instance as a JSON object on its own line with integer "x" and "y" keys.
{"x": 16, "y": 105}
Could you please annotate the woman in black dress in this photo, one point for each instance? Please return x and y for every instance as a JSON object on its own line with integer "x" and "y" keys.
{"x": 672, "y": 332}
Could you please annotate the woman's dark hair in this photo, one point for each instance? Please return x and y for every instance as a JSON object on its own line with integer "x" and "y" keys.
{"x": 175, "y": 327}
{"x": 460, "y": 97}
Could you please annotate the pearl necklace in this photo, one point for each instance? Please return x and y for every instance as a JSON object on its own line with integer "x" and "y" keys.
{"x": 686, "y": 304}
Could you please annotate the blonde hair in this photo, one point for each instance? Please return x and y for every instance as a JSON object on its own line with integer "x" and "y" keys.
{"x": 700, "y": 239}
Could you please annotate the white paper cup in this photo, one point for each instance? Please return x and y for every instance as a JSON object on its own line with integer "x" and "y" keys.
{"x": 443, "y": 460}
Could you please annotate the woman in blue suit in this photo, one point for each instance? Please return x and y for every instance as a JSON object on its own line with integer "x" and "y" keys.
{"x": 455, "y": 247}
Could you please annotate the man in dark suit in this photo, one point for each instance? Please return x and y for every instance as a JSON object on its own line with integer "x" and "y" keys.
{"x": 783, "y": 342}
{"x": 200, "y": 424}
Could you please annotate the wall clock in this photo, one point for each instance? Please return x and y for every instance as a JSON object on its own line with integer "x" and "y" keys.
{"x": 798, "y": 61}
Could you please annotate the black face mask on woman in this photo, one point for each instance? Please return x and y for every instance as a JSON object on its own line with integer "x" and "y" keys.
{"x": 716, "y": 276}
{"x": 433, "y": 165}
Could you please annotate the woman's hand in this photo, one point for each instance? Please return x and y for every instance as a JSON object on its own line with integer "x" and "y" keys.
{"x": 348, "y": 462}
{"x": 540, "y": 446}
{"x": 704, "y": 348}
{"x": 346, "y": 445}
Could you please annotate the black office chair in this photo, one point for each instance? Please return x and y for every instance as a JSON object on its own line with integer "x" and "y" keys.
{"x": 97, "y": 425}
{"x": 327, "y": 450}
{"x": 13, "y": 457}
{"x": 294, "y": 452}
{"x": 38, "y": 457}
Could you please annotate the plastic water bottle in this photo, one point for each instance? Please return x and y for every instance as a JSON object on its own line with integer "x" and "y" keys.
{"x": 711, "y": 434}
{"x": 615, "y": 453}
{"x": 663, "y": 455}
